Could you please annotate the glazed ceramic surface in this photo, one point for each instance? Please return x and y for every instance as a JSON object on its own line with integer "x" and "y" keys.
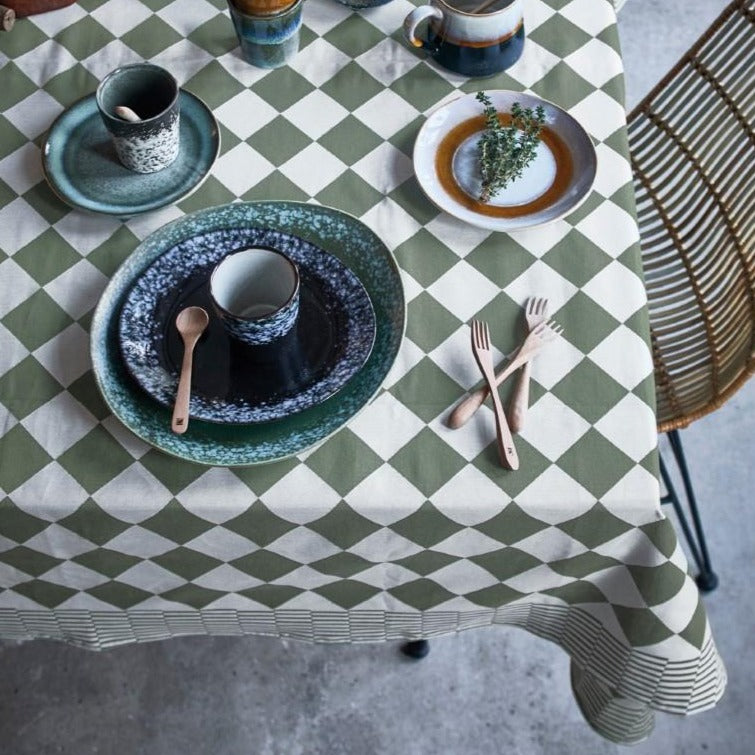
{"x": 347, "y": 239}
{"x": 537, "y": 182}
{"x": 235, "y": 383}
{"x": 268, "y": 41}
{"x": 468, "y": 42}
{"x": 362, "y": 4}
{"x": 255, "y": 294}
{"x": 262, "y": 7}
{"x": 150, "y": 92}
{"x": 82, "y": 168}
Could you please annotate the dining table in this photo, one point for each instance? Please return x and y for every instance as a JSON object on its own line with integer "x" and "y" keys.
{"x": 387, "y": 525}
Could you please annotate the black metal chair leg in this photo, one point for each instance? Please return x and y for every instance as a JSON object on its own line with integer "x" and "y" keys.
{"x": 706, "y": 580}
{"x": 416, "y": 649}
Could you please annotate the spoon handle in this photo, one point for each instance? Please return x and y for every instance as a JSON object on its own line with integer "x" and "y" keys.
{"x": 180, "y": 420}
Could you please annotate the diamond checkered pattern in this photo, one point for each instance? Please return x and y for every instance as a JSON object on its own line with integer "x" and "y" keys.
{"x": 397, "y": 526}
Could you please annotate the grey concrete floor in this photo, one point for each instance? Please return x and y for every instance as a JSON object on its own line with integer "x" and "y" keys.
{"x": 487, "y": 691}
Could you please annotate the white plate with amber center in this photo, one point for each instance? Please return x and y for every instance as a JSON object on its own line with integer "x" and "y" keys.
{"x": 555, "y": 183}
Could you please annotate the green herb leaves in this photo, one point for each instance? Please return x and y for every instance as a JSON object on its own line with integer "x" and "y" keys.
{"x": 505, "y": 151}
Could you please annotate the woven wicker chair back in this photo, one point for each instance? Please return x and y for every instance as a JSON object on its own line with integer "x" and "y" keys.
{"x": 692, "y": 144}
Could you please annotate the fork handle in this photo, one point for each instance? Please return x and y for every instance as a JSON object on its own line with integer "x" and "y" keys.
{"x": 464, "y": 410}
{"x": 520, "y": 401}
{"x": 504, "y": 441}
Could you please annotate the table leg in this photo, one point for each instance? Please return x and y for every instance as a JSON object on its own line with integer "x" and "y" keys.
{"x": 707, "y": 580}
{"x": 416, "y": 649}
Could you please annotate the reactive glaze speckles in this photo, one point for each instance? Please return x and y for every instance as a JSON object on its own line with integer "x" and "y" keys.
{"x": 262, "y": 331}
{"x": 348, "y": 239}
{"x": 151, "y": 149}
{"x": 152, "y": 143}
{"x": 237, "y": 384}
{"x": 255, "y": 293}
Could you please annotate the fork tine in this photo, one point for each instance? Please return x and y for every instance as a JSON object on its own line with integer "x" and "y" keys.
{"x": 486, "y": 335}
{"x": 554, "y": 328}
{"x": 531, "y": 308}
{"x": 475, "y": 334}
{"x": 542, "y": 306}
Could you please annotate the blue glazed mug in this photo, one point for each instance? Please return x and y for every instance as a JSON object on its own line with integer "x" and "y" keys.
{"x": 268, "y": 40}
{"x": 255, "y": 293}
{"x": 471, "y": 37}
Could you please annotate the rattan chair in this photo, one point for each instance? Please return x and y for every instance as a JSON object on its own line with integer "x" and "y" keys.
{"x": 692, "y": 144}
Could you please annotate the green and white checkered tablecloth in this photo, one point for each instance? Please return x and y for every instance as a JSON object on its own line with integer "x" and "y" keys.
{"x": 397, "y": 527}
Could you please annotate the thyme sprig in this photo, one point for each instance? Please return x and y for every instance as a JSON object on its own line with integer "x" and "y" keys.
{"x": 505, "y": 151}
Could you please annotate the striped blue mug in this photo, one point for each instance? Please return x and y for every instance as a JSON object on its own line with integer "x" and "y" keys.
{"x": 268, "y": 37}
{"x": 471, "y": 37}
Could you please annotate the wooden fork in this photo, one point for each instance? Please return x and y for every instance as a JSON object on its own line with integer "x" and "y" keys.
{"x": 484, "y": 357}
{"x": 535, "y": 313}
{"x": 543, "y": 333}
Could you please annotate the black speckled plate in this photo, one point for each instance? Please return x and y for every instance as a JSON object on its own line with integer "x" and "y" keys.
{"x": 234, "y": 383}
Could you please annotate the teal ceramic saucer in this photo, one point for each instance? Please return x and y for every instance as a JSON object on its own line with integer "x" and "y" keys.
{"x": 81, "y": 166}
{"x": 340, "y": 234}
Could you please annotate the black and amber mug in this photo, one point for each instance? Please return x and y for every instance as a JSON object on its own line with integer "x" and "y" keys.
{"x": 471, "y": 37}
{"x": 150, "y": 142}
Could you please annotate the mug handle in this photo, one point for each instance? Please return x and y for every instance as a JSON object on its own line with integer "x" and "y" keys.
{"x": 414, "y": 19}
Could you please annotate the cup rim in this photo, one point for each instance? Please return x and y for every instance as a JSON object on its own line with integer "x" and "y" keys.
{"x": 115, "y": 71}
{"x": 268, "y": 315}
{"x": 265, "y": 16}
{"x": 450, "y": 7}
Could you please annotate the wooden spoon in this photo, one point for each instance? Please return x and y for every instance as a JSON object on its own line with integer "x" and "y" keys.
{"x": 126, "y": 114}
{"x": 191, "y": 323}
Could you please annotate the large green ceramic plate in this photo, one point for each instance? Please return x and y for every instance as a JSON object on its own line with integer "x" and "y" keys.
{"x": 342, "y": 235}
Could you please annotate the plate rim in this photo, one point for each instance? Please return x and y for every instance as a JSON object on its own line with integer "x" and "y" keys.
{"x": 312, "y": 248}
{"x": 99, "y": 325}
{"x": 504, "y": 225}
{"x": 132, "y": 210}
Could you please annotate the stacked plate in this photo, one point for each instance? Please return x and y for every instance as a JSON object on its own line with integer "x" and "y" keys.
{"x": 250, "y": 405}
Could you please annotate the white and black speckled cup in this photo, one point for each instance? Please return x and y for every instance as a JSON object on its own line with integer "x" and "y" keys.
{"x": 255, "y": 293}
{"x": 152, "y": 143}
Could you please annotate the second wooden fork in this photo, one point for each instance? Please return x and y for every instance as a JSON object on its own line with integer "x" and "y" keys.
{"x": 536, "y": 338}
{"x": 535, "y": 313}
{"x": 484, "y": 357}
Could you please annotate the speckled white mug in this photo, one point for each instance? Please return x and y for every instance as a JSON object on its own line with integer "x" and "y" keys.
{"x": 151, "y": 143}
